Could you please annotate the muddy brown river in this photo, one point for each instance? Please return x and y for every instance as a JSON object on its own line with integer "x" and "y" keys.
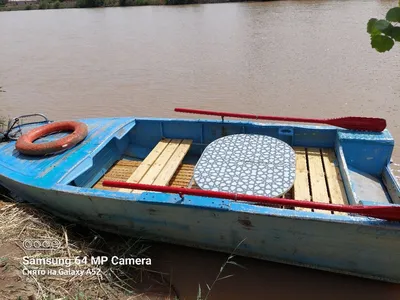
{"x": 286, "y": 58}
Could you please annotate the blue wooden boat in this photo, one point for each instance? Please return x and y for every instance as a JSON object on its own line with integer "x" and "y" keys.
{"x": 333, "y": 165}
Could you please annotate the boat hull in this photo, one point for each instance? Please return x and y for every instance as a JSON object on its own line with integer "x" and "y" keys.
{"x": 352, "y": 247}
{"x": 65, "y": 185}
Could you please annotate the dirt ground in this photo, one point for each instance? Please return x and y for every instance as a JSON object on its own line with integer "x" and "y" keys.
{"x": 19, "y": 222}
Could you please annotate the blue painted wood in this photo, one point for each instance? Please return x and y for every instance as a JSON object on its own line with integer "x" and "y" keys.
{"x": 340, "y": 243}
{"x": 392, "y": 186}
{"x": 367, "y": 152}
{"x": 344, "y": 172}
{"x": 368, "y": 188}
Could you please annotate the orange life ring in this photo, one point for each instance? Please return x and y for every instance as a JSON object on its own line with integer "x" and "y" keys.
{"x": 26, "y": 146}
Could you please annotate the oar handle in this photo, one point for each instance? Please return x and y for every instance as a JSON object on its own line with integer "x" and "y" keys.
{"x": 391, "y": 213}
{"x": 353, "y": 123}
{"x": 245, "y": 116}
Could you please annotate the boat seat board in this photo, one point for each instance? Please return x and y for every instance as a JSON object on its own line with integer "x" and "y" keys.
{"x": 161, "y": 163}
{"x": 145, "y": 166}
{"x": 318, "y": 178}
{"x": 174, "y": 162}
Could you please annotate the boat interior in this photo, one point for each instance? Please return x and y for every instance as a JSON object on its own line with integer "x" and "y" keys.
{"x": 317, "y": 176}
{"x": 165, "y": 152}
{"x": 332, "y": 165}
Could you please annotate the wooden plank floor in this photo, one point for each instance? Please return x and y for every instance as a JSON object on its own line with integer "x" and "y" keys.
{"x": 317, "y": 177}
{"x": 120, "y": 171}
{"x": 123, "y": 169}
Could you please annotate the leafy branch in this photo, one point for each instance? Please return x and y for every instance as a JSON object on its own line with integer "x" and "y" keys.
{"x": 383, "y": 32}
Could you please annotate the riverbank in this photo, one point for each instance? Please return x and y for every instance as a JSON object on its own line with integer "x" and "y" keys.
{"x": 56, "y": 4}
{"x": 60, "y": 4}
{"x": 20, "y": 278}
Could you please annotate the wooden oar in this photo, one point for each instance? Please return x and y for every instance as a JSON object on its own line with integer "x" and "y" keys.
{"x": 353, "y": 123}
{"x": 389, "y": 213}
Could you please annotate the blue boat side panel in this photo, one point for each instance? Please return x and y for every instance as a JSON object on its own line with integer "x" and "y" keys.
{"x": 344, "y": 172}
{"x": 100, "y": 164}
{"x": 148, "y": 132}
{"x": 381, "y": 137}
{"x": 391, "y": 184}
{"x": 179, "y": 130}
{"x": 286, "y": 134}
{"x": 315, "y": 137}
{"x": 367, "y": 152}
{"x": 211, "y": 203}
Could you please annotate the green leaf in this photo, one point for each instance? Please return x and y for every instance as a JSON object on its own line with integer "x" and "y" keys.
{"x": 393, "y": 15}
{"x": 371, "y": 26}
{"x": 376, "y": 27}
{"x": 383, "y": 26}
{"x": 381, "y": 43}
{"x": 395, "y": 33}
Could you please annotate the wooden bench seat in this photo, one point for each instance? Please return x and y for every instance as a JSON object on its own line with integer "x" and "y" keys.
{"x": 161, "y": 164}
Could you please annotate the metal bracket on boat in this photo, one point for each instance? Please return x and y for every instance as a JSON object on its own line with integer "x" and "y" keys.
{"x": 14, "y": 130}
{"x": 223, "y": 131}
{"x": 182, "y": 196}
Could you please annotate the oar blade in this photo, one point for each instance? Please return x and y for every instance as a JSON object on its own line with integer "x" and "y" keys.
{"x": 359, "y": 123}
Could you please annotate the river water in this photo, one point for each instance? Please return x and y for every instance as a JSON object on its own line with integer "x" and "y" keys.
{"x": 287, "y": 58}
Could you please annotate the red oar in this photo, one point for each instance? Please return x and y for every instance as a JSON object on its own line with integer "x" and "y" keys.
{"x": 353, "y": 123}
{"x": 390, "y": 212}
